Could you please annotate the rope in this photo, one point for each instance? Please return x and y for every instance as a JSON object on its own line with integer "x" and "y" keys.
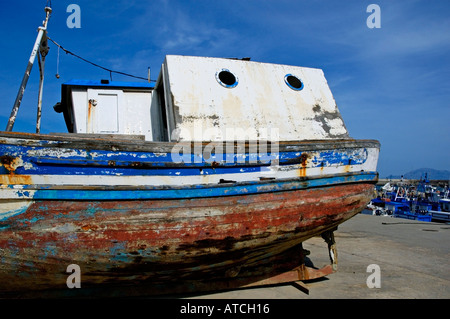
{"x": 96, "y": 65}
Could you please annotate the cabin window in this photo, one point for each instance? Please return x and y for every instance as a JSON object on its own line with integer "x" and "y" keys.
{"x": 293, "y": 82}
{"x": 226, "y": 78}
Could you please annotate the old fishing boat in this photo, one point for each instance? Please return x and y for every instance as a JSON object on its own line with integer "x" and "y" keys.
{"x": 210, "y": 178}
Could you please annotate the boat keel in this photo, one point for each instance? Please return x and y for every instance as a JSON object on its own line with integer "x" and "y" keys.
{"x": 303, "y": 272}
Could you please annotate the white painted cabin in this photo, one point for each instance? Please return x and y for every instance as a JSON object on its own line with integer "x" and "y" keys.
{"x": 200, "y": 98}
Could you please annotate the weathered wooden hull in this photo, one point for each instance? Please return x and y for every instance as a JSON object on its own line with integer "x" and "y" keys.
{"x": 164, "y": 235}
{"x": 162, "y": 241}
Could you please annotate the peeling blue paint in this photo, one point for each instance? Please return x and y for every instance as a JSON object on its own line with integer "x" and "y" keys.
{"x": 117, "y": 252}
{"x": 8, "y": 214}
{"x": 199, "y": 190}
{"x": 84, "y": 162}
{"x": 23, "y": 194}
{"x": 49, "y": 251}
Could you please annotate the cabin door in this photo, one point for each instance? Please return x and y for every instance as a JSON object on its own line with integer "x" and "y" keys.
{"x": 103, "y": 111}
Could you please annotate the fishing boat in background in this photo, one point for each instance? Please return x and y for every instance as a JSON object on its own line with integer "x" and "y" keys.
{"x": 209, "y": 179}
{"x": 442, "y": 212}
{"x": 432, "y": 201}
{"x": 403, "y": 210}
{"x": 417, "y": 200}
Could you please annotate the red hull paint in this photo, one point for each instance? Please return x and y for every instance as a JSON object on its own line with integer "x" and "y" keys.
{"x": 167, "y": 241}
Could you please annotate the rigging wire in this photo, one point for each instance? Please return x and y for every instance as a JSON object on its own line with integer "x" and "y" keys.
{"x": 94, "y": 64}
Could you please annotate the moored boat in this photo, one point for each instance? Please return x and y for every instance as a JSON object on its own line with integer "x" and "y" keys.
{"x": 215, "y": 174}
{"x": 442, "y": 212}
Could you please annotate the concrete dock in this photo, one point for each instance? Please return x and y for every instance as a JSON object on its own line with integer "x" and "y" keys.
{"x": 411, "y": 258}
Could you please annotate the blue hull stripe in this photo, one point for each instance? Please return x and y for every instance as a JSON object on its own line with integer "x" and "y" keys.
{"x": 149, "y": 163}
{"x": 198, "y": 191}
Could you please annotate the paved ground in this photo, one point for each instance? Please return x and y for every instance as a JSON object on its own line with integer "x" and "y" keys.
{"x": 413, "y": 259}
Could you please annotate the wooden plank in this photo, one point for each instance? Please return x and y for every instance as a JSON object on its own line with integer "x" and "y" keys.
{"x": 101, "y": 136}
{"x": 122, "y": 242}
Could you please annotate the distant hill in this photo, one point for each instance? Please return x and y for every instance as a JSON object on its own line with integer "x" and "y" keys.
{"x": 433, "y": 174}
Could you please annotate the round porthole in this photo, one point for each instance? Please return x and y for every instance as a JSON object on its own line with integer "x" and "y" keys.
{"x": 226, "y": 78}
{"x": 293, "y": 82}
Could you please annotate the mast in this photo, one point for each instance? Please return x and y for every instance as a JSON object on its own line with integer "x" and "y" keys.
{"x": 43, "y": 53}
{"x": 42, "y": 34}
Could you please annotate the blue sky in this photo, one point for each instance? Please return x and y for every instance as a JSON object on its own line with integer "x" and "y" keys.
{"x": 390, "y": 83}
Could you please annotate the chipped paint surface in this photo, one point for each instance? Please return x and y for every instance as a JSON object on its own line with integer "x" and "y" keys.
{"x": 35, "y": 162}
{"x": 126, "y": 213}
{"x": 165, "y": 240}
{"x": 261, "y": 99}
